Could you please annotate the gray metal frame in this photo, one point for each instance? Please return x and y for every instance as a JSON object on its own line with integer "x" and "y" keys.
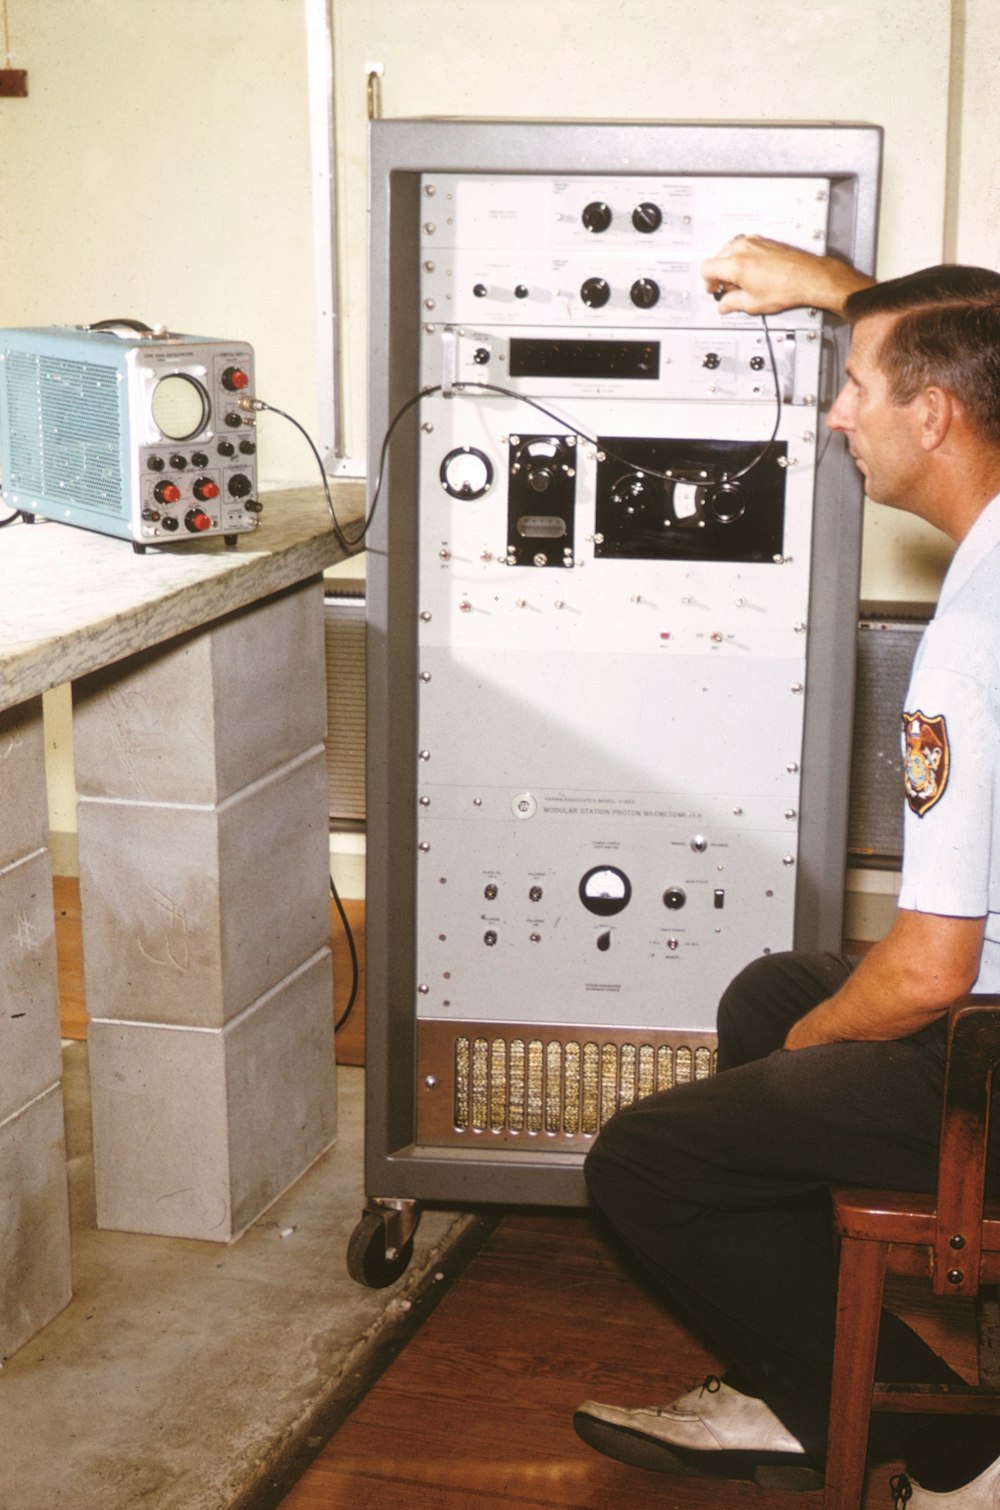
{"x": 401, "y": 150}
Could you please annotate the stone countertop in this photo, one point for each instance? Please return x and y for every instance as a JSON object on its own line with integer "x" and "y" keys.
{"x": 72, "y": 600}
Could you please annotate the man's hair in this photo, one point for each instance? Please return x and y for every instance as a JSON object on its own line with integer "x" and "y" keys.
{"x": 946, "y": 335}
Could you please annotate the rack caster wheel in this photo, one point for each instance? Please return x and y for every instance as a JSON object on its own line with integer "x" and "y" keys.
{"x": 381, "y": 1245}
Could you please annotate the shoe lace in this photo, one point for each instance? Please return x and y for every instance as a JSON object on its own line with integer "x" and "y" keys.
{"x": 902, "y": 1490}
{"x": 711, "y": 1385}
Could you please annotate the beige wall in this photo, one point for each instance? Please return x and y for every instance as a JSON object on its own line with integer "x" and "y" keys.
{"x": 160, "y": 169}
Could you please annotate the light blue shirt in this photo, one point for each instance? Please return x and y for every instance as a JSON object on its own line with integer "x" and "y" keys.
{"x": 951, "y": 748}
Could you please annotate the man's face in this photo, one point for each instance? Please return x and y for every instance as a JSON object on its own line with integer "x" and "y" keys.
{"x": 883, "y": 436}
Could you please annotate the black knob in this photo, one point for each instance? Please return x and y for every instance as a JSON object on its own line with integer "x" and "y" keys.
{"x": 521, "y": 291}
{"x": 535, "y": 894}
{"x": 711, "y": 360}
{"x": 226, "y": 448}
{"x": 199, "y": 459}
{"x": 645, "y": 293}
{"x": 156, "y": 463}
{"x": 595, "y": 293}
{"x": 674, "y": 897}
{"x": 596, "y": 216}
{"x": 178, "y": 462}
{"x": 253, "y": 506}
{"x": 647, "y": 217}
{"x": 248, "y": 447}
{"x": 490, "y": 892}
{"x": 234, "y": 421}
{"x": 480, "y": 290}
{"x": 169, "y": 522}
{"x": 240, "y": 486}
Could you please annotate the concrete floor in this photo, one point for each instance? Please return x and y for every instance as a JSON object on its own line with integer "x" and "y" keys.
{"x": 186, "y": 1375}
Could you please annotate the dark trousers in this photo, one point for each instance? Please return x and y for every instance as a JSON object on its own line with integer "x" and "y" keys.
{"x": 720, "y": 1187}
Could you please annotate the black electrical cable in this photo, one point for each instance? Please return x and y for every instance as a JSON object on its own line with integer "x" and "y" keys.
{"x": 735, "y": 476}
{"x": 258, "y": 403}
{"x": 350, "y": 546}
{"x": 355, "y": 971}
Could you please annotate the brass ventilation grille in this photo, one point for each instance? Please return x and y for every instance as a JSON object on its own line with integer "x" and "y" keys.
{"x": 519, "y": 1084}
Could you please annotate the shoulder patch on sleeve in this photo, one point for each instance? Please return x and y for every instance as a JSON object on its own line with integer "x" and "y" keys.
{"x": 926, "y": 760}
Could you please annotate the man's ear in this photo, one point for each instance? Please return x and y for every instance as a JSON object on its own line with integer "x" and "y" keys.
{"x": 938, "y": 412}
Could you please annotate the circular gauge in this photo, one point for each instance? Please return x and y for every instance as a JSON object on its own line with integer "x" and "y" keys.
{"x": 180, "y": 407}
{"x": 605, "y": 890}
{"x": 466, "y": 473}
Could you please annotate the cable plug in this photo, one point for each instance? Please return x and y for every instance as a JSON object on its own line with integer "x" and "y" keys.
{"x": 248, "y": 403}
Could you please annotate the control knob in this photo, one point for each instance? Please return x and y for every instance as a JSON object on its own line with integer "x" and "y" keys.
{"x": 595, "y": 293}
{"x": 596, "y": 216}
{"x": 645, "y": 293}
{"x": 166, "y": 492}
{"x": 204, "y": 489}
{"x": 240, "y": 486}
{"x": 235, "y": 379}
{"x": 196, "y": 520}
{"x": 647, "y": 217}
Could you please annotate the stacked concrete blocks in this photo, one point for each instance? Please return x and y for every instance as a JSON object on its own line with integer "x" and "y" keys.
{"x": 35, "y": 1277}
{"x": 204, "y": 870}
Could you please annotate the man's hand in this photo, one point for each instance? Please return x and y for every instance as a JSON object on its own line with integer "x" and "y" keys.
{"x": 906, "y": 981}
{"x": 761, "y": 277}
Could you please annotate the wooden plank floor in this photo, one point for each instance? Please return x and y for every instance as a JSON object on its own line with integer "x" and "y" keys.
{"x": 477, "y": 1409}
{"x": 72, "y": 1003}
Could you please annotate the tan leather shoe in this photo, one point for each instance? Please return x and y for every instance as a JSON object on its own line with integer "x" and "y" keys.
{"x": 982, "y": 1494}
{"x": 712, "y": 1431}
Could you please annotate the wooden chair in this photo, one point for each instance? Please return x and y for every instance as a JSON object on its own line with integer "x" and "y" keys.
{"x": 952, "y": 1239}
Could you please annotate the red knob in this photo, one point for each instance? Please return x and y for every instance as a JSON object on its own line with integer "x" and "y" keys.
{"x": 204, "y": 489}
{"x": 197, "y": 521}
{"x": 235, "y": 379}
{"x": 166, "y": 492}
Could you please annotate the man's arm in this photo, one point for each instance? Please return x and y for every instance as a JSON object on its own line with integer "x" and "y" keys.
{"x": 761, "y": 277}
{"x": 906, "y": 981}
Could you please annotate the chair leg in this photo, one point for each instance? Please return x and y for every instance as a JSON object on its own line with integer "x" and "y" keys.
{"x": 859, "y": 1309}
{"x": 988, "y": 1337}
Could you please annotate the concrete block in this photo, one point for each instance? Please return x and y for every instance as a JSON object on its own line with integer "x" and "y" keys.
{"x": 23, "y": 803}
{"x": 197, "y": 1131}
{"x": 30, "y": 1058}
{"x": 35, "y": 1278}
{"x": 191, "y": 914}
{"x": 214, "y": 710}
